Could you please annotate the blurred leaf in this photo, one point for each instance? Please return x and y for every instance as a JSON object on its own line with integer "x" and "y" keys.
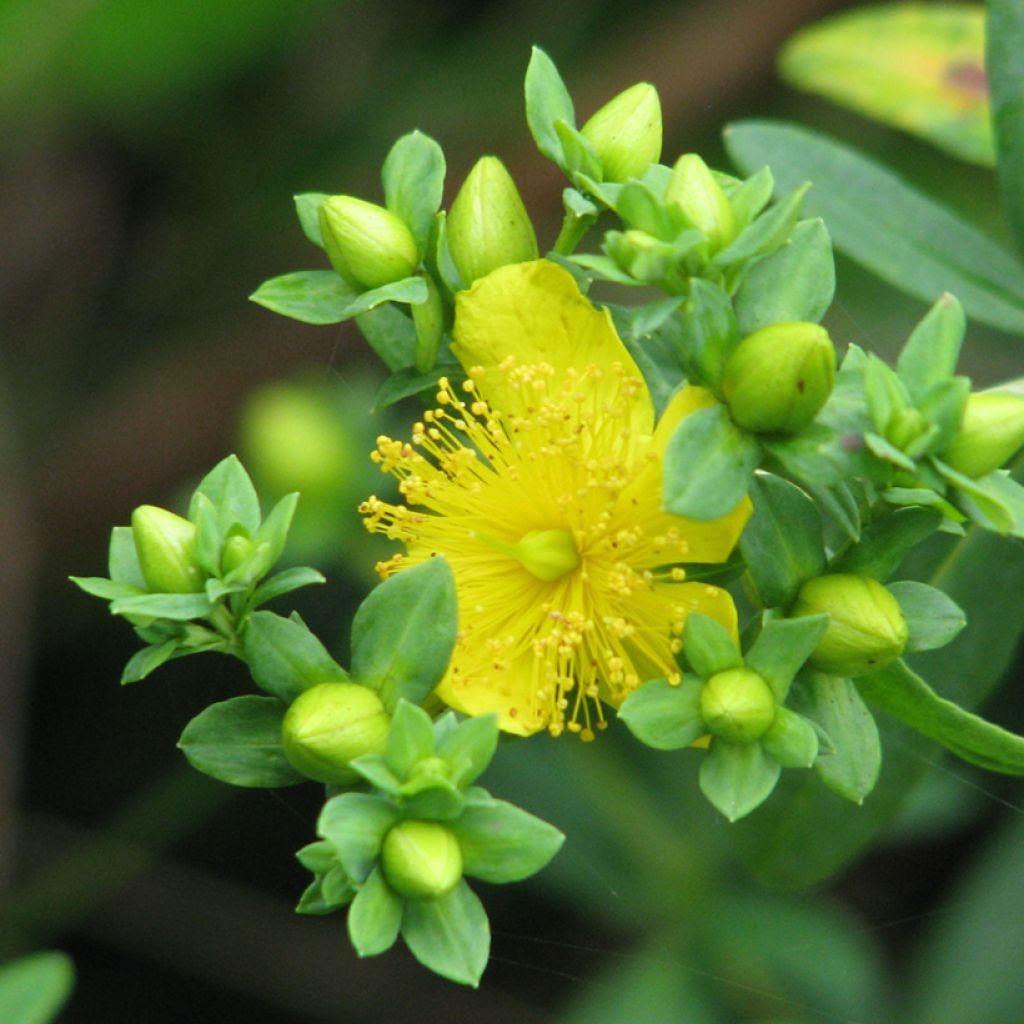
{"x": 1004, "y": 59}
{"x": 238, "y": 741}
{"x": 970, "y": 968}
{"x": 895, "y": 231}
{"x": 912, "y": 66}
{"x": 34, "y": 988}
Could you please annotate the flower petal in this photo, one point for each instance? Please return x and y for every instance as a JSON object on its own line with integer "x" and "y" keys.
{"x": 535, "y": 313}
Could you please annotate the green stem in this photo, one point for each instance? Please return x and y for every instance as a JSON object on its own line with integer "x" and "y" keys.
{"x": 572, "y": 232}
{"x": 224, "y": 623}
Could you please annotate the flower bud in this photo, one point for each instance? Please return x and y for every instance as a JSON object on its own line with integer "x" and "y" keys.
{"x": 991, "y": 431}
{"x": 626, "y": 132}
{"x": 237, "y": 548}
{"x": 421, "y": 859}
{"x": 694, "y": 190}
{"x": 866, "y": 628}
{"x": 778, "y": 378}
{"x": 166, "y": 546}
{"x": 905, "y": 426}
{"x": 488, "y": 226}
{"x": 329, "y": 725}
{"x": 737, "y": 705}
{"x": 367, "y": 245}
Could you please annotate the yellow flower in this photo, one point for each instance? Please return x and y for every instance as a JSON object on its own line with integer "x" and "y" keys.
{"x": 540, "y": 482}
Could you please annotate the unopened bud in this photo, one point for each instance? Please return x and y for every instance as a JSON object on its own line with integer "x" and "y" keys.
{"x": 737, "y": 705}
{"x": 905, "y": 426}
{"x": 992, "y": 430}
{"x": 694, "y": 190}
{"x": 421, "y": 859}
{"x": 331, "y": 724}
{"x": 367, "y": 245}
{"x": 866, "y": 628}
{"x": 488, "y": 226}
{"x": 626, "y": 132}
{"x": 166, "y": 546}
{"x": 779, "y": 377}
{"x": 237, "y": 548}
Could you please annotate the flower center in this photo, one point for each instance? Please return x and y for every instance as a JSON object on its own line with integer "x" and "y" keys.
{"x": 547, "y": 554}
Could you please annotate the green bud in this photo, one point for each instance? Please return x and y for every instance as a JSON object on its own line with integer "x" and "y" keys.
{"x": 737, "y": 705}
{"x": 367, "y": 245}
{"x": 421, "y": 859}
{"x": 866, "y": 627}
{"x": 488, "y": 226}
{"x": 237, "y": 548}
{"x": 626, "y": 132}
{"x": 991, "y": 431}
{"x": 166, "y": 546}
{"x": 778, "y": 378}
{"x": 694, "y": 190}
{"x": 329, "y": 725}
{"x": 905, "y": 426}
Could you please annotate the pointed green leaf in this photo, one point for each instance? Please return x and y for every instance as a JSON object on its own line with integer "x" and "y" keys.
{"x": 410, "y": 738}
{"x": 765, "y": 234}
{"x": 791, "y": 740}
{"x": 108, "y": 590}
{"x": 307, "y": 206}
{"x": 708, "y": 465}
{"x": 285, "y": 658}
{"x": 1004, "y": 41}
{"x": 355, "y": 825}
{"x": 274, "y": 529}
{"x": 409, "y": 381}
{"x": 285, "y": 582}
{"x": 783, "y": 543}
{"x": 375, "y": 770}
{"x": 885, "y": 542}
{"x": 933, "y": 348}
{"x": 933, "y": 619}
{"x": 239, "y": 741}
{"x": 34, "y": 988}
{"x": 123, "y": 559}
{"x": 390, "y": 332}
{"x": 781, "y": 649}
{"x": 709, "y": 331}
{"x": 850, "y": 764}
{"x": 177, "y": 607}
{"x": 737, "y": 778}
{"x": 403, "y": 634}
{"x": 795, "y": 283}
{"x": 413, "y": 179}
{"x": 663, "y": 716}
{"x": 311, "y": 296}
{"x": 503, "y": 843}
{"x": 469, "y": 747}
{"x": 709, "y": 647}
{"x": 148, "y": 660}
{"x": 230, "y": 489}
{"x": 375, "y": 916}
{"x": 547, "y": 102}
{"x": 449, "y": 935}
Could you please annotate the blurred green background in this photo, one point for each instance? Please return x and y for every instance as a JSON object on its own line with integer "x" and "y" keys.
{"x": 148, "y": 153}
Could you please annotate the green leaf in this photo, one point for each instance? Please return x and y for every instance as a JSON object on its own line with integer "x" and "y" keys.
{"x": 933, "y": 619}
{"x": 404, "y": 632}
{"x": 375, "y": 916}
{"x": 239, "y": 741}
{"x": 468, "y": 748}
{"x": 709, "y": 647}
{"x": 912, "y": 66}
{"x": 210, "y": 536}
{"x": 177, "y": 607}
{"x": 737, "y": 777}
{"x": 413, "y": 178}
{"x": 312, "y": 296}
{"x": 885, "y": 543}
{"x": 783, "y": 543}
{"x": 663, "y": 716}
{"x": 409, "y": 381}
{"x": 850, "y": 762}
{"x": 708, "y": 465}
{"x": 710, "y": 331}
{"x": 1004, "y": 45}
{"x": 285, "y": 658}
{"x": 355, "y": 824}
{"x": 796, "y": 282}
{"x": 230, "y": 489}
{"x": 284, "y": 583}
{"x": 123, "y": 559}
{"x": 766, "y": 233}
{"x": 390, "y": 332}
{"x": 503, "y": 843}
{"x": 791, "y": 740}
{"x": 432, "y": 797}
{"x": 274, "y": 529}
{"x": 896, "y": 232}
{"x": 579, "y": 158}
{"x": 34, "y": 988}
{"x": 449, "y": 273}
{"x": 782, "y": 647}
{"x": 906, "y": 696}
{"x": 985, "y": 500}
{"x": 547, "y": 102}
{"x": 410, "y": 738}
{"x": 148, "y": 660}
{"x": 108, "y": 590}
{"x": 751, "y": 196}
{"x": 449, "y": 935}
{"x": 307, "y": 206}
{"x": 375, "y": 770}
{"x": 933, "y": 348}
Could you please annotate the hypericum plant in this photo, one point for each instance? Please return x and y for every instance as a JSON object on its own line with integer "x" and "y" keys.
{"x": 678, "y": 509}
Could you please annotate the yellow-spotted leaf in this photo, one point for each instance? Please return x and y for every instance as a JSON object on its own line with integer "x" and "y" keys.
{"x": 919, "y": 67}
